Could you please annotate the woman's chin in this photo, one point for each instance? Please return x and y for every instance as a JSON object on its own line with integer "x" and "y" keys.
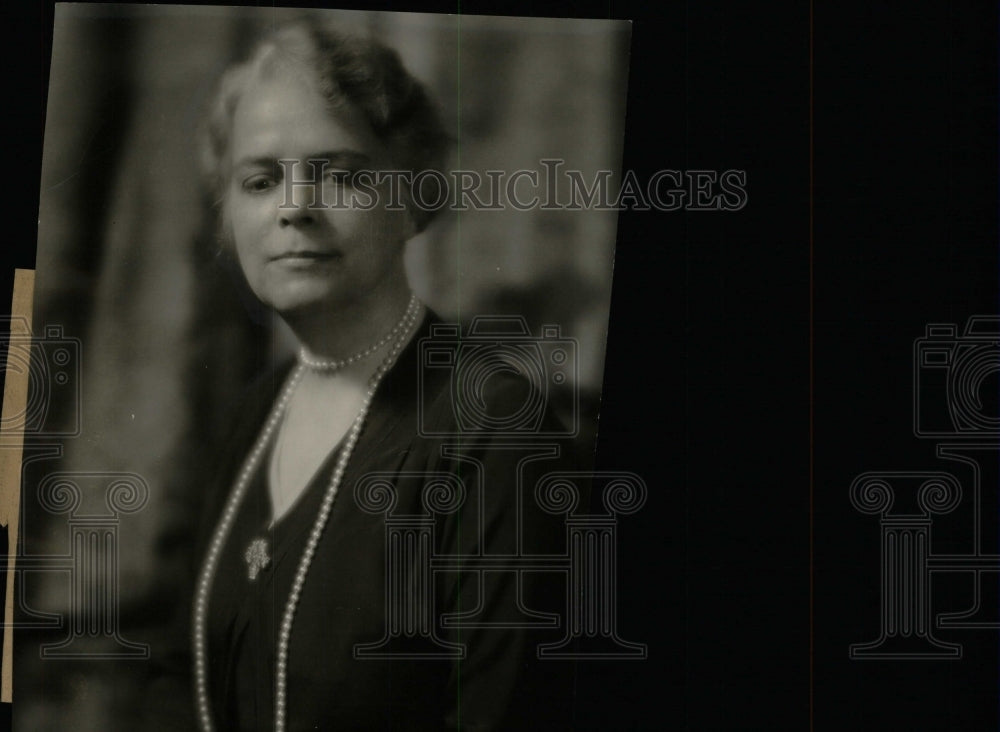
{"x": 303, "y": 298}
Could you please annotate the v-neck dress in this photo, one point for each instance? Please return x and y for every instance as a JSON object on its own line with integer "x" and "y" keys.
{"x": 246, "y": 612}
{"x": 499, "y": 684}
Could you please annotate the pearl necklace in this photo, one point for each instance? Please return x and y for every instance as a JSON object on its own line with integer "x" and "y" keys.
{"x": 404, "y": 330}
{"x": 318, "y": 364}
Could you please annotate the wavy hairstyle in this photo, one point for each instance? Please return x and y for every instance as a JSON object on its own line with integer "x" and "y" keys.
{"x": 344, "y": 69}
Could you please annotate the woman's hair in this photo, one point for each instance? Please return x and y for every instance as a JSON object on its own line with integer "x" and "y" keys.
{"x": 343, "y": 69}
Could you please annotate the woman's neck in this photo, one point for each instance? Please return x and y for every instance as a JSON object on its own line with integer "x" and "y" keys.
{"x": 341, "y": 331}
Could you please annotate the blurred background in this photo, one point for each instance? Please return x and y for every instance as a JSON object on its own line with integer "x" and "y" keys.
{"x": 168, "y": 341}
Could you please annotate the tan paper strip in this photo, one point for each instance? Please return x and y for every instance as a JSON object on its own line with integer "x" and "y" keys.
{"x": 15, "y": 402}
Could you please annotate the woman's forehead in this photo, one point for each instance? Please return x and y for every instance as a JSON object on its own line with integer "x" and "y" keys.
{"x": 287, "y": 117}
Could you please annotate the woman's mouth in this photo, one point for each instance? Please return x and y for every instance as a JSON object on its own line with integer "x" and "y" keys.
{"x": 305, "y": 256}
{"x": 306, "y": 261}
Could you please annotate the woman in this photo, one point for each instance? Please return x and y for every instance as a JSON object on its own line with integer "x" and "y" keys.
{"x": 293, "y": 576}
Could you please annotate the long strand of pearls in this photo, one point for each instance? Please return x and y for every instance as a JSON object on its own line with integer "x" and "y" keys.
{"x": 284, "y": 637}
{"x": 403, "y": 330}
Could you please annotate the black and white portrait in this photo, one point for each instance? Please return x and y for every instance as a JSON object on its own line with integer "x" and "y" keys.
{"x": 334, "y": 325}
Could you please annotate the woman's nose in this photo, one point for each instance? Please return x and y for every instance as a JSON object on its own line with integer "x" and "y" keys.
{"x": 296, "y": 213}
{"x": 299, "y": 207}
{"x": 299, "y": 204}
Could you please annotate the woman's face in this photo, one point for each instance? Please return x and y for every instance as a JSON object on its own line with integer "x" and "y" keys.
{"x": 295, "y": 257}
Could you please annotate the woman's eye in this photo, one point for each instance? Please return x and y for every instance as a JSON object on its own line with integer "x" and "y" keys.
{"x": 259, "y": 183}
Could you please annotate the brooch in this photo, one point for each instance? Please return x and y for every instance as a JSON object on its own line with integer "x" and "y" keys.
{"x": 257, "y": 557}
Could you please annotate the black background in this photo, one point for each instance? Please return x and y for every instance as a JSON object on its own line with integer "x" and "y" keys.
{"x": 757, "y": 360}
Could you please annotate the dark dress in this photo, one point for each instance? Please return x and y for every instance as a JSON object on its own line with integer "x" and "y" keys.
{"x": 499, "y": 684}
